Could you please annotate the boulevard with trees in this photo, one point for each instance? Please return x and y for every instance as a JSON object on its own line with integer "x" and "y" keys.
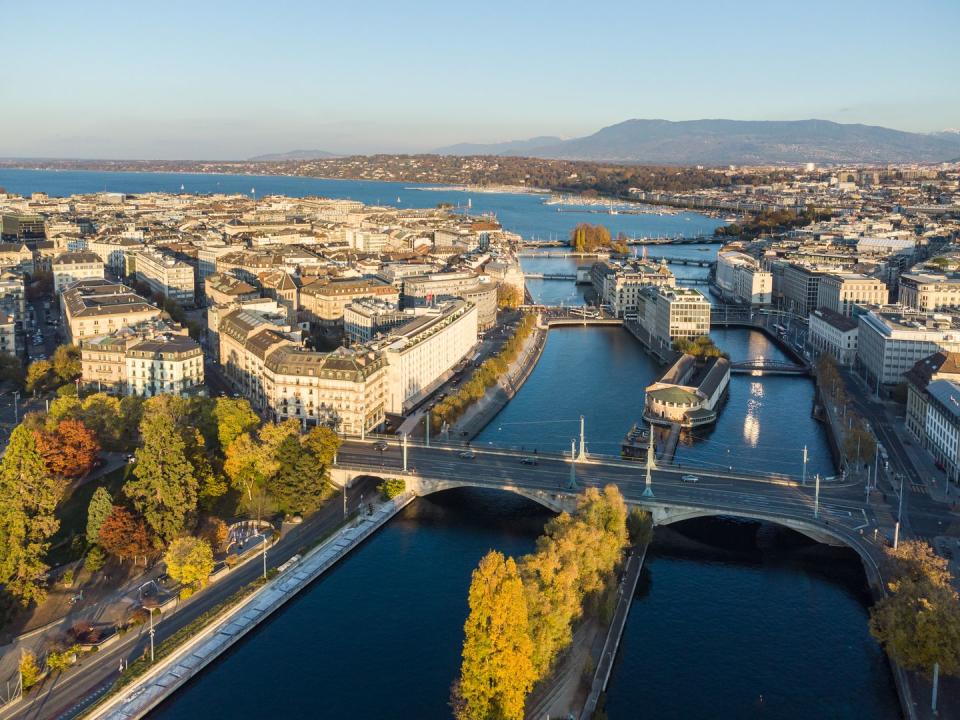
{"x": 523, "y": 614}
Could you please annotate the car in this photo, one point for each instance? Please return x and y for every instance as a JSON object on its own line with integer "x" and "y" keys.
{"x": 467, "y": 454}
{"x": 529, "y": 460}
{"x": 689, "y": 478}
{"x": 381, "y": 445}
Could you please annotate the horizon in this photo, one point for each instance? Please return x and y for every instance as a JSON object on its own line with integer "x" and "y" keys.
{"x": 226, "y": 82}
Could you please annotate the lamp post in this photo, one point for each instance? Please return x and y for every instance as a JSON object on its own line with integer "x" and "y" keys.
{"x": 152, "y": 633}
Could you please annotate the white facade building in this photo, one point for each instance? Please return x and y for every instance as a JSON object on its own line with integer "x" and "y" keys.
{"x": 891, "y": 339}
{"x": 834, "y": 334}
{"x": 167, "y": 275}
{"x": 70, "y": 267}
{"x": 739, "y": 276}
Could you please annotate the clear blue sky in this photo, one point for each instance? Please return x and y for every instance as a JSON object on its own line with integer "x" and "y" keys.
{"x": 210, "y": 79}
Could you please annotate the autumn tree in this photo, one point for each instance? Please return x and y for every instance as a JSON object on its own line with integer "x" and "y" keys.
{"x": 29, "y": 496}
{"x": 214, "y": 531}
{"x": 233, "y": 417}
{"x": 69, "y": 451}
{"x": 29, "y": 670}
{"x": 509, "y": 297}
{"x": 99, "y": 509}
{"x": 916, "y": 560}
{"x": 40, "y": 376}
{"x": 189, "y": 561}
{"x": 163, "y": 488}
{"x": 496, "y": 672}
{"x": 63, "y": 408}
{"x": 66, "y": 363}
{"x": 123, "y": 535}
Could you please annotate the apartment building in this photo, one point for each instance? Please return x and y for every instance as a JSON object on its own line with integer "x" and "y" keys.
{"x": 891, "y": 339}
{"x": 13, "y": 297}
{"x": 939, "y": 366}
{"x": 169, "y": 276}
{"x": 70, "y": 267}
{"x": 221, "y": 289}
{"x": 92, "y": 308}
{"x": 323, "y": 302}
{"x": 8, "y": 334}
{"x": 115, "y": 251}
{"x": 422, "y": 352}
{"x": 265, "y": 309}
{"x": 834, "y": 334}
{"x": 16, "y": 256}
{"x": 21, "y": 227}
{"x": 740, "y": 277}
{"x": 840, "y": 292}
{"x": 669, "y": 313}
{"x": 942, "y": 428}
{"x": 424, "y": 290}
{"x": 170, "y": 364}
{"x": 484, "y": 296}
{"x": 927, "y": 292}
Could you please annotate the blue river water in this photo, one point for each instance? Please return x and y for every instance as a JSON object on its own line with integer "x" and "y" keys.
{"x": 733, "y": 620}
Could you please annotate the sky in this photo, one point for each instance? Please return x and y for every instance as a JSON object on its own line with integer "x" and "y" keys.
{"x": 228, "y": 80}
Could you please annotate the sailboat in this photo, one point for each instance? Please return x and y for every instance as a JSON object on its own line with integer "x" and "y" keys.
{"x": 398, "y": 199}
{"x": 181, "y": 187}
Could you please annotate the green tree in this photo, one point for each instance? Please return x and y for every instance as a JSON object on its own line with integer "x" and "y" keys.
{"x": 29, "y": 496}
{"x": 164, "y": 488}
{"x": 66, "y": 363}
{"x": 99, "y": 509}
{"x": 101, "y": 413}
{"x": 233, "y": 417}
{"x": 323, "y": 443}
{"x": 299, "y": 484}
{"x": 11, "y": 370}
{"x": 496, "y": 672}
{"x": 189, "y": 561}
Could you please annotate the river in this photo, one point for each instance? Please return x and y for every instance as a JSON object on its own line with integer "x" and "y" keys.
{"x": 733, "y": 620}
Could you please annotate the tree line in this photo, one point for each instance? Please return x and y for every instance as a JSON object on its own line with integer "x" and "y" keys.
{"x": 522, "y": 614}
{"x": 772, "y": 222}
{"x": 451, "y": 408}
{"x": 587, "y": 238}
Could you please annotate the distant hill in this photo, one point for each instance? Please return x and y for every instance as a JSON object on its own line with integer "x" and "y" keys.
{"x": 511, "y": 147}
{"x": 294, "y": 155}
{"x": 745, "y": 142}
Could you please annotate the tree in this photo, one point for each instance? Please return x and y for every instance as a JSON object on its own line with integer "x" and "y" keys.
{"x": 99, "y": 509}
{"x": 101, "y": 413}
{"x": 214, "y": 531}
{"x": 66, "y": 363}
{"x": 323, "y": 443}
{"x": 915, "y": 560}
{"x": 63, "y": 408}
{"x": 918, "y": 624}
{"x": 29, "y": 496}
{"x": 11, "y": 370}
{"x": 164, "y": 488}
{"x": 249, "y": 465}
{"x": 189, "y": 561}
{"x": 69, "y": 451}
{"x": 298, "y": 485}
{"x": 29, "y": 670}
{"x": 210, "y": 483}
{"x": 40, "y": 377}
{"x": 509, "y": 297}
{"x": 496, "y": 673}
{"x": 123, "y": 535}
{"x": 233, "y": 417}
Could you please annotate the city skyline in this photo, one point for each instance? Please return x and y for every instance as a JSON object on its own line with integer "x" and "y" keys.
{"x": 230, "y": 82}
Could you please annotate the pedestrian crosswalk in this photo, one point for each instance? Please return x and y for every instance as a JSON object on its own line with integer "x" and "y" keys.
{"x": 919, "y": 488}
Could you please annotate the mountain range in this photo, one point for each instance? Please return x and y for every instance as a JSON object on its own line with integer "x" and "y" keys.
{"x": 740, "y": 142}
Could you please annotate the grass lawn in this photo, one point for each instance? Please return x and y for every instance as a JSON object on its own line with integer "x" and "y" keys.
{"x": 72, "y": 514}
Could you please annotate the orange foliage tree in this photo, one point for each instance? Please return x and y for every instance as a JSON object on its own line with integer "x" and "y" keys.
{"x": 70, "y": 450}
{"x": 123, "y": 535}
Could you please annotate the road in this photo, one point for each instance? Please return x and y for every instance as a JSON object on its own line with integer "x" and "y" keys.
{"x": 69, "y": 694}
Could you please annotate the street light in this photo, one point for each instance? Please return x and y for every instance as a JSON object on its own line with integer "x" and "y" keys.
{"x": 152, "y": 632}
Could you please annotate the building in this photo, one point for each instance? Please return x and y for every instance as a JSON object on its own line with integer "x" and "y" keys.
{"x": 891, "y": 339}
{"x": 366, "y": 318}
{"x": 221, "y": 289}
{"x": 16, "y": 256}
{"x": 323, "y": 302}
{"x": 669, "y": 313}
{"x": 740, "y": 278}
{"x": 99, "y": 307}
{"x": 170, "y": 364}
{"x": 424, "y": 290}
{"x": 619, "y": 285}
{"x": 8, "y": 334}
{"x": 166, "y": 275}
{"x": 928, "y": 292}
{"x": 484, "y": 295}
{"x": 939, "y": 366}
{"x": 422, "y": 352}
{"x": 70, "y": 267}
{"x": 21, "y": 227}
{"x": 834, "y": 334}
{"x": 942, "y": 429}
{"x": 13, "y": 297}
{"x": 115, "y": 251}
{"x": 689, "y": 393}
{"x": 801, "y": 289}
{"x": 840, "y": 292}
